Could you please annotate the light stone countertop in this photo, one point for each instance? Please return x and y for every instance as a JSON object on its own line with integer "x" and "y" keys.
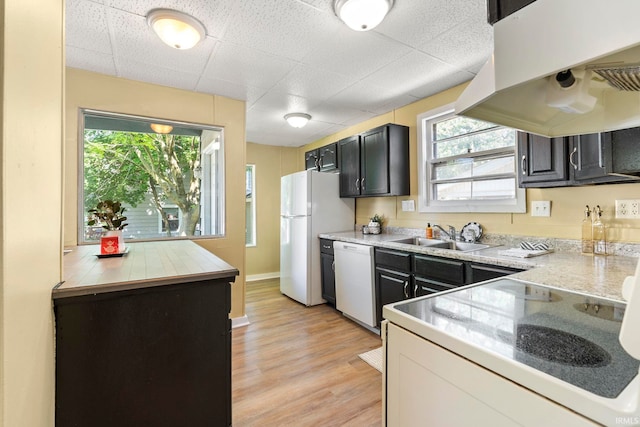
{"x": 594, "y": 275}
{"x": 146, "y": 264}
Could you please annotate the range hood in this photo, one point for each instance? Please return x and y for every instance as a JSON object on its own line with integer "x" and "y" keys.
{"x": 598, "y": 41}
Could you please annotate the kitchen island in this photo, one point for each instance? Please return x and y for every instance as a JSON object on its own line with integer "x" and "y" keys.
{"x": 145, "y": 338}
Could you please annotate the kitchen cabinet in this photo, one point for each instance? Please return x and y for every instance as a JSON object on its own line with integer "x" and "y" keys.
{"x": 141, "y": 341}
{"x": 499, "y": 9}
{"x": 401, "y": 275}
{"x": 323, "y": 159}
{"x": 543, "y": 161}
{"x": 375, "y": 162}
{"x": 158, "y": 356}
{"x": 439, "y": 270}
{"x": 327, "y": 271}
{"x": 596, "y": 158}
{"x": 393, "y": 278}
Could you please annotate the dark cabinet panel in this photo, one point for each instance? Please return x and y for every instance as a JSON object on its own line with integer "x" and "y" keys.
{"x": 391, "y": 286}
{"x": 374, "y": 167}
{"x": 481, "y": 272}
{"x": 327, "y": 271}
{"x": 323, "y": 159}
{"x": 541, "y": 159}
{"x": 423, "y": 286}
{"x": 158, "y": 356}
{"x": 396, "y": 260}
{"x": 375, "y": 163}
{"x": 625, "y": 152}
{"x": 311, "y": 160}
{"x": 440, "y": 269}
{"x": 349, "y": 149}
{"x": 328, "y": 157}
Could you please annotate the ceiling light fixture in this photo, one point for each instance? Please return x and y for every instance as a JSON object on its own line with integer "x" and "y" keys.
{"x": 176, "y": 29}
{"x": 297, "y": 120}
{"x": 362, "y": 15}
{"x": 160, "y": 128}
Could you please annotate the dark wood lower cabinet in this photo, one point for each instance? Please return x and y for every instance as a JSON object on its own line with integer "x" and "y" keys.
{"x": 158, "y": 356}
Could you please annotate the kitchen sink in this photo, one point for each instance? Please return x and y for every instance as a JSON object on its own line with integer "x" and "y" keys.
{"x": 443, "y": 244}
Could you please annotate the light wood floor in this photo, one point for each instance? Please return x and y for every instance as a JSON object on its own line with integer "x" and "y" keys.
{"x": 299, "y": 366}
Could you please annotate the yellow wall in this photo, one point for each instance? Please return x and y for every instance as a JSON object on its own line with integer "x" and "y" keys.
{"x": 271, "y": 163}
{"x": 567, "y": 204}
{"x": 30, "y": 206}
{"x": 105, "y": 93}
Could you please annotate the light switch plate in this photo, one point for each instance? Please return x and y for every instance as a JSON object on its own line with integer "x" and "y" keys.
{"x": 408, "y": 205}
{"x": 541, "y": 208}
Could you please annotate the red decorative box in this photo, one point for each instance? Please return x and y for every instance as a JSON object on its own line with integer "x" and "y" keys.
{"x": 109, "y": 245}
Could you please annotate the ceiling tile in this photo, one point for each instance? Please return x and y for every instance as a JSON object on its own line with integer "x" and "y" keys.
{"x": 338, "y": 114}
{"x": 284, "y": 28}
{"x": 162, "y": 76}
{"x": 89, "y": 60}
{"x": 442, "y": 83}
{"x": 86, "y": 25}
{"x": 467, "y": 46}
{"x": 313, "y": 83}
{"x": 416, "y": 22}
{"x": 232, "y": 90}
{"x": 355, "y": 54}
{"x": 238, "y": 64}
{"x": 282, "y": 103}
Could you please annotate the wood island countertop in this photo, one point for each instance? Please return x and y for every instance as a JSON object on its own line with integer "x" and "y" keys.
{"x": 146, "y": 264}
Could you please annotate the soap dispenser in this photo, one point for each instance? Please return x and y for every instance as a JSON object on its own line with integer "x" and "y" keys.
{"x": 599, "y": 233}
{"x": 429, "y": 231}
{"x": 587, "y": 233}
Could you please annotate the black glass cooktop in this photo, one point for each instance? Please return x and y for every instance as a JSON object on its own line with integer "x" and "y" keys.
{"x": 568, "y": 335}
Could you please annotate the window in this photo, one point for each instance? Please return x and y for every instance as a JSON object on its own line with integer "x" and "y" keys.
{"x": 169, "y": 176}
{"x": 466, "y": 165}
{"x": 250, "y": 205}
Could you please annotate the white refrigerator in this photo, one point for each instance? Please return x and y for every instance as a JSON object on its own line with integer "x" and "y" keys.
{"x": 310, "y": 204}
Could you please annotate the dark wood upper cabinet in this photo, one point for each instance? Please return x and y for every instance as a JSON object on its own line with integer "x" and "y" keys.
{"x": 541, "y": 159}
{"x": 323, "y": 159}
{"x": 596, "y": 158}
{"x": 375, "y": 163}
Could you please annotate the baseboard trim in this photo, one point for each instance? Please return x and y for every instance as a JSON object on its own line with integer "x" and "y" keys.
{"x": 262, "y": 276}
{"x": 238, "y": 322}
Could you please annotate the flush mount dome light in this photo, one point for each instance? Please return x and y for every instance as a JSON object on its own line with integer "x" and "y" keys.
{"x": 362, "y": 15}
{"x": 297, "y": 120}
{"x": 176, "y": 29}
{"x": 160, "y": 128}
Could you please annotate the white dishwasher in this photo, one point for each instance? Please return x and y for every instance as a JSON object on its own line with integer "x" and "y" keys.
{"x": 355, "y": 282}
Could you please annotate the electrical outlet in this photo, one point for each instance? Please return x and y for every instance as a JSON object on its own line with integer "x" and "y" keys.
{"x": 628, "y": 209}
{"x": 541, "y": 208}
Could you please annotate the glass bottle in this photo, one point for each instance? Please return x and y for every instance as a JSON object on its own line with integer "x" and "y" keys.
{"x": 599, "y": 233}
{"x": 587, "y": 233}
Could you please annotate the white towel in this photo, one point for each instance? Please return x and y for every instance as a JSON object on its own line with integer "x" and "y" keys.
{"x": 523, "y": 253}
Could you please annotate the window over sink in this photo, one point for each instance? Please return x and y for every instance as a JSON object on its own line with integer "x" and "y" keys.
{"x": 466, "y": 165}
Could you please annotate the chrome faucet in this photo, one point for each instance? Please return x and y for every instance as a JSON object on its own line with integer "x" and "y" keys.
{"x": 451, "y": 234}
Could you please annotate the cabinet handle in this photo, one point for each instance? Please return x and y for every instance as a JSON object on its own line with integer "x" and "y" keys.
{"x": 357, "y": 184}
{"x": 523, "y": 163}
{"x": 362, "y": 184}
{"x": 317, "y": 163}
{"x": 326, "y": 246}
{"x": 415, "y": 290}
{"x": 575, "y": 167}
{"x": 321, "y": 162}
{"x": 406, "y": 289}
{"x": 333, "y": 265}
